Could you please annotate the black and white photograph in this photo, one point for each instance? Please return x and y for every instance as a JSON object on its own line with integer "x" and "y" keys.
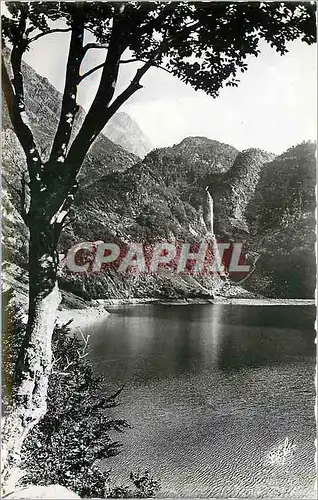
{"x": 158, "y": 249}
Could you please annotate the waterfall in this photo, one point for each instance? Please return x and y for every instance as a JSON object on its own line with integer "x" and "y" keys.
{"x": 208, "y": 217}
{"x": 208, "y": 214}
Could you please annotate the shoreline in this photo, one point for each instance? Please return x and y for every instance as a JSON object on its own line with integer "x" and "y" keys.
{"x": 109, "y": 303}
{"x": 80, "y": 317}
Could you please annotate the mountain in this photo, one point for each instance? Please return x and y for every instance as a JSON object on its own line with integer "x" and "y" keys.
{"x": 159, "y": 198}
{"x": 135, "y": 206}
{"x": 233, "y": 191}
{"x": 43, "y": 104}
{"x": 203, "y": 154}
{"x": 281, "y": 217}
{"x": 266, "y": 203}
{"x": 123, "y": 130}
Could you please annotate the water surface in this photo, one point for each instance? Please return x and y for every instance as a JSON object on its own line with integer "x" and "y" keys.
{"x": 212, "y": 392}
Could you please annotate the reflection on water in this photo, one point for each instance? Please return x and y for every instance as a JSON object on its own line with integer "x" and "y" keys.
{"x": 211, "y": 391}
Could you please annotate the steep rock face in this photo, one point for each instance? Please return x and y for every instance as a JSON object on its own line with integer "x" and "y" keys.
{"x": 286, "y": 189}
{"x": 233, "y": 191}
{"x": 135, "y": 206}
{"x": 149, "y": 202}
{"x": 186, "y": 168}
{"x": 123, "y": 130}
{"x": 268, "y": 204}
{"x": 15, "y": 234}
{"x": 281, "y": 217}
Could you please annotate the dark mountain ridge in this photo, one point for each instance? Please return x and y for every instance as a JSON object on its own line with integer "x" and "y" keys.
{"x": 282, "y": 222}
{"x": 257, "y": 198}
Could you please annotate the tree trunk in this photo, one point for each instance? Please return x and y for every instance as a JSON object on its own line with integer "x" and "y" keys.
{"x": 30, "y": 381}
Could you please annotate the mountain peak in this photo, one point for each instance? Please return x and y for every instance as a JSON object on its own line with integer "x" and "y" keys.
{"x": 125, "y": 131}
{"x": 197, "y": 140}
{"x": 204, "y": 153}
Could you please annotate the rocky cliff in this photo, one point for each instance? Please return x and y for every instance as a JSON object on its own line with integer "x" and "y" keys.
{"x": 160, "y": 198}
{"x": 281, "y": 218}
{"x": 264, "y": 202}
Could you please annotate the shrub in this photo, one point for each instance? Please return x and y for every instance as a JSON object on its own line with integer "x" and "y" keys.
{"x": 146, "y": 486}
{"x": 66, "y": 445}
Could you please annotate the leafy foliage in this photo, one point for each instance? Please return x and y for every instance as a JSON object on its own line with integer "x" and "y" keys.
{"x": 75, "y": 430}
{"x": 203, "y": 43}
{"x": 64, "y": 448}
{"x": 145, "y": 486}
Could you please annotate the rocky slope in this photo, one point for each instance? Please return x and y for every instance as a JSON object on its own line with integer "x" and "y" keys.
{"x": 281, "y": 218}
{"x": 258, "y": 200}
{"x": 159, "y": 198}
{"x": 135, "y": 206}
{"x": 233, "y": 191}
{"x": 43, "y": 104}
{"x": 123, "y": 130}
{"x": 264, "y": 202}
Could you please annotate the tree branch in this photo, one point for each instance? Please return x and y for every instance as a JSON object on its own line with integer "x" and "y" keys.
{"x": 69, "y": 105}
{"x": 68, "y": 223}
{"x": 131, "y": 89}
{"x": 85, "y": 75}
{"x": 36, "y": 37}
{"x": 123, "y": 61}
{"x": 89, "y": 46}
{"x": 97, "y": 115}
{"x": 14, "y": 96}
{"x": 20, "y": 122}
{"x": 127, "y": 61}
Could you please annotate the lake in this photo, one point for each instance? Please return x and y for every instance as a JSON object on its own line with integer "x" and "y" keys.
{"x": 221, "y": 397}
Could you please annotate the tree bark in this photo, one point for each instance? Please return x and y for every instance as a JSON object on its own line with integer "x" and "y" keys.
{"x": 52, "y": 188}
{"x": 27, "y": 403}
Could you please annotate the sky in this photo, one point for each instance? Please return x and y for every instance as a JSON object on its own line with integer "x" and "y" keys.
{"x": 273, "y": 108}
